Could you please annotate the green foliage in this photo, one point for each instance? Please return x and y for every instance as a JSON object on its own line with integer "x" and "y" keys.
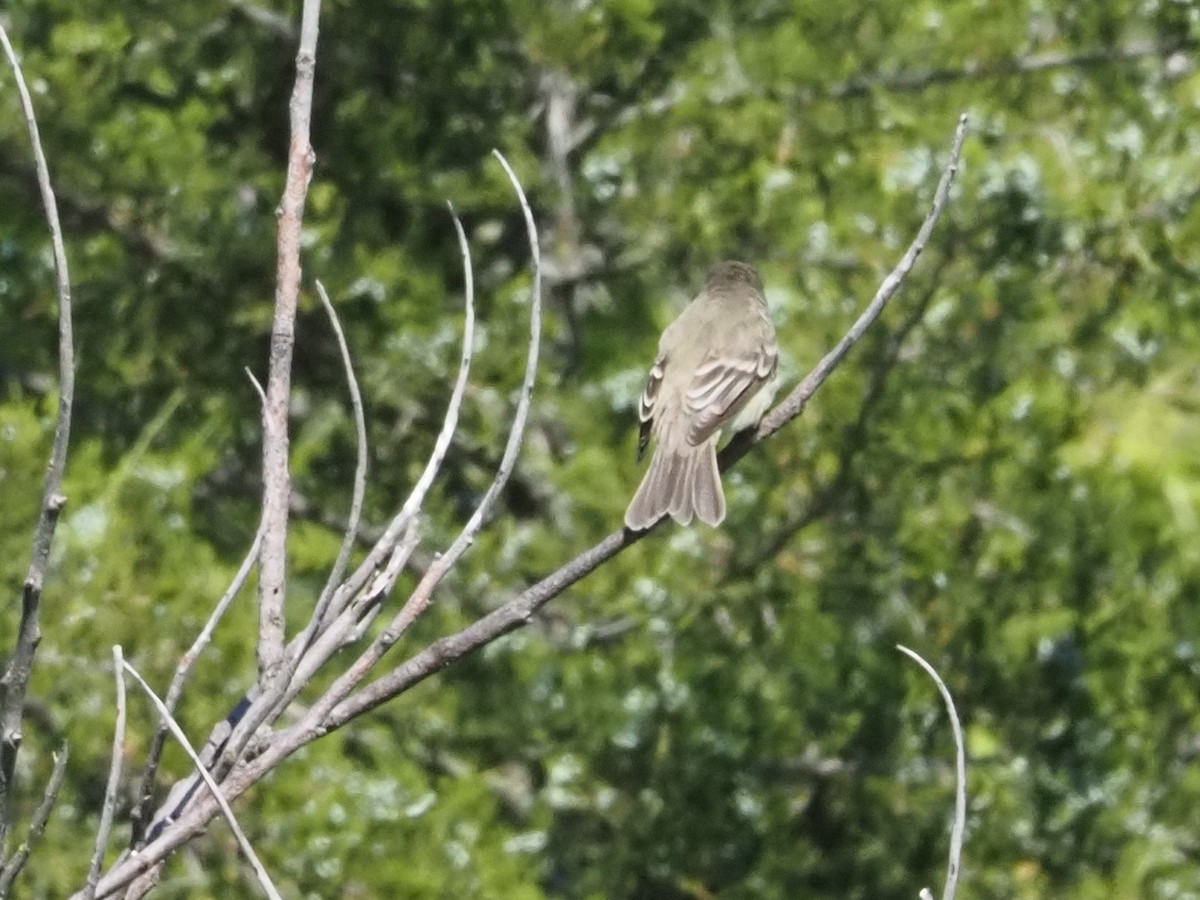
{"x": 1002, "y": 476}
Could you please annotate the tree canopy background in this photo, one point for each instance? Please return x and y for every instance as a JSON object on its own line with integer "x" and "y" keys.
{"x": 1003, "y": 476}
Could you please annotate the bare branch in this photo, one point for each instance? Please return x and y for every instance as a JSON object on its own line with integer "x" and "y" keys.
{"x": 114, "y": 779}
{"x": 503, "y": 619}
{"x": 15, "y": 863}
{"x": 960, "y": 778}
{"x": 852, "y": 441}
{"x": 272, "y": 590}
{"x": 421, "y": 597}
{"x": 264, "y": 879}
{"x": 175, "y": 690}
{"x": 15, "y": 681}
{"x": 353, "y": 605}
{"x": 355, "y": 617}
{"x": 387, "y": 542}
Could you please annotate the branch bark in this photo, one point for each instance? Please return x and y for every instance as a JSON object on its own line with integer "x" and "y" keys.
{"x": 272, "y": 592}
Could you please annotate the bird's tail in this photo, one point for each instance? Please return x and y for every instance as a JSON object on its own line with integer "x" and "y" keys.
{"x": 681, "y": 484}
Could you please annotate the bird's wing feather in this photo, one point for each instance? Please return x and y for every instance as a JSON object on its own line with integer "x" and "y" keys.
{"x": 646, "y": 404}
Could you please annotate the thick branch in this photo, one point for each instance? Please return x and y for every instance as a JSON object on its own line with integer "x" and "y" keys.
{"x": 276, "y": 479}
{"x": 15, "y": 680}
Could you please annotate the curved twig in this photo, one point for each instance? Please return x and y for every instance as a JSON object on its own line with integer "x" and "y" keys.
{"x": 360, "y": 466}
{"x": 399, "y": 524}
{"x": 422, "y": 595}
{"x": 332, "y": 629}
{"x": 960, "y": 778}
{"x": 16, "y": 676}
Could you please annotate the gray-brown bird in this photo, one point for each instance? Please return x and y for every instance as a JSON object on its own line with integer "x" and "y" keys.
{"x": 715, "y": 368}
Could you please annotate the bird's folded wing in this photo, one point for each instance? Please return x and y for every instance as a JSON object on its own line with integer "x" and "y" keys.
{"x": 721, "y": 386}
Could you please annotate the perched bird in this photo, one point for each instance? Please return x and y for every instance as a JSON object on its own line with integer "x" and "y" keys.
{"x": 715, "y": 368}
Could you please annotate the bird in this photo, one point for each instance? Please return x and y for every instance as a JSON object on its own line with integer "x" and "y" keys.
{"x": 716, "y": 368}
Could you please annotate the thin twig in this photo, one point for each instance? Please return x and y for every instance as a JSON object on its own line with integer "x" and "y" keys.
{"x": 272, "y": 592}
{"x": 114, "y": 779}
{"x": 386, "y": 544}
{"x": 264, "y": 879}
{"x": 360, "y": 467}
{"x": 258, "y": 388}
{"x": 37, "y": 825}
{"x": 853, "y": 439}
{"x": 354, "y": 618}
{"x": 795, "y": 401}
{"x": 960, "y": 778}
{"x": 175, "y": 690}
{"x": 422, "y": 595}
{"x": 15, "y": 680}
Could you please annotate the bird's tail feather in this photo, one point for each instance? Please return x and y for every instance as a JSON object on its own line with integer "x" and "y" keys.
{"x": 681, "y": 484}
